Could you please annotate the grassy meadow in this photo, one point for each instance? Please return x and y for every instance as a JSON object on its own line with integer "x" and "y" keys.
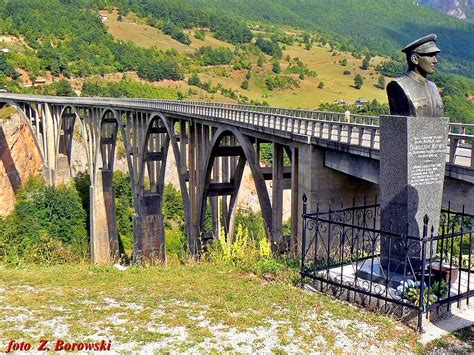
{"x": 337, "y": 86}
{"x": 193, "y": 307}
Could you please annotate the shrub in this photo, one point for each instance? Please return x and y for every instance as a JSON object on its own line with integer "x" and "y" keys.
{"x": 281, "y": 82}
{"x": 174, "y": 32}
{"x": 239, "y": 248}
{"x": 381, "y": 82}
{"x": 269, "y": 47}
{"x": 48, "y": 225}
{"x": 124, "y": 210}
{"x": 214, "y": 56}
{"x": 194, "y": 80}
{"x": 200, "y": 34}
{"x": 365, "y": 63}
{"x": 276, "y": 67}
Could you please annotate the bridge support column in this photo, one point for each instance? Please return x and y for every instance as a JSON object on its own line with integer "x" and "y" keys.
{"x": 104, "y": 238}
{"x": 49, "y": 124}
{"x": 326, "y": 187}
{"x": 277, "y": 197}
{"x": 295, "y": 200}
{"x": 458, "y": 194}
{"x": 62, "y": 174}
{"x": 195, "y": 238}
{"x": 149, "y": 229}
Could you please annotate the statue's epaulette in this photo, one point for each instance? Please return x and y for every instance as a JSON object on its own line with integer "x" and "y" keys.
{"x": 402, "y": 80}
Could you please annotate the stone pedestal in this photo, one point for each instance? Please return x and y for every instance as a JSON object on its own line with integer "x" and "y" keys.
{"x": 412, "y": 164}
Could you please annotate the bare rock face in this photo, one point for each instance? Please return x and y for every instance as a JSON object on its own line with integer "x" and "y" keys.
{"x": 461, "y": 9}
{"x": 19, "y": 159}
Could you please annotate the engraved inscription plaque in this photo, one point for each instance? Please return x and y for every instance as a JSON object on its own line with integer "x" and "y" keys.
{"x": 427, "y": 153}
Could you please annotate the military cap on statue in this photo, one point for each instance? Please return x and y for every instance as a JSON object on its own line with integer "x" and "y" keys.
{"x": 423, "y": 45}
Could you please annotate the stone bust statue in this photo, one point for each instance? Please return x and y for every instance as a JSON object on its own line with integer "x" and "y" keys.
{"x": 413, "y": 94}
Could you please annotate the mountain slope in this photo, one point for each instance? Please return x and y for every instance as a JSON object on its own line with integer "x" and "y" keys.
{"x": 383, "y": 26}
{"x": 461, "y": 9}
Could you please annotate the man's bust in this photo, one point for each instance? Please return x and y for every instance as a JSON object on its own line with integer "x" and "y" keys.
{"x": 413, "y": 94}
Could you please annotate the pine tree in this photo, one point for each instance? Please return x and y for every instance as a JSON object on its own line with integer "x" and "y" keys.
{"x": 276, "y": 67}
{"x": 381, "y": 82}
{"x": 358, "y": 81}
{"x": 365, "y": 63}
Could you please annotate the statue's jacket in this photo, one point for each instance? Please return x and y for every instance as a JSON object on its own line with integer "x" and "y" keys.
{"x": 414, "y": 95}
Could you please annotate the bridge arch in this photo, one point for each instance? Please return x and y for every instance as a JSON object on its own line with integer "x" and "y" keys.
{"x": 179, "y": 157}
{"x": 101, "y": 131}
{"x": 246, "y": 154}
{"x": 29, "y": 123}
{"x": 149, "y": 241}
{"x": 67, "y": 117}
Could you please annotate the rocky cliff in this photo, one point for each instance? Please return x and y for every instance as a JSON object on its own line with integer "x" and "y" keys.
{"x": 19, "y": 159}
{"x": 461, "y": 9}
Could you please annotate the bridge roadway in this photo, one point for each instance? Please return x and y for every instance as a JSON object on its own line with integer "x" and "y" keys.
{"x": 331, "y": 160}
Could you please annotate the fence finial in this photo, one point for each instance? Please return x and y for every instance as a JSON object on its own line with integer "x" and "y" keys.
{"x": 425, "y": 219}
{"x": 305, "y": 198}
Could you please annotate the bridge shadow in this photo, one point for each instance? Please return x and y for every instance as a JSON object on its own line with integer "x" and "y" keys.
{"x": 8, "y": 163}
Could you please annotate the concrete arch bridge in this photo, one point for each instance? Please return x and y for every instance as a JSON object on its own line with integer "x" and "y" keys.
{"x": 330, "y": 160}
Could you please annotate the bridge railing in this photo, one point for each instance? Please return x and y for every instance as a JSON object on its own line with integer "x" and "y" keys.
{"x": 460, "y": 145}
{"x": 330, "y": 126}
{"x": 280, "y": 111}
{"x": 360, "y": 130}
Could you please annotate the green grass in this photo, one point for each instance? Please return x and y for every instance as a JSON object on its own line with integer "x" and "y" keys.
{"x": 337, "y": 85}
{"x": 135, "y": 29}
{"x": 195, "y": 307}
{"x": 6, "y": 112}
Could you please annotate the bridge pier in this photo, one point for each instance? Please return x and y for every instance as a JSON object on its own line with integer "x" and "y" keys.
{"x": 62, "y": 173}
{"x": 325, "y": 187}
{"x": 459, "y": 195}
{"x": 277, "y": 197}
{"x": 104, "y": 237}
{"x": 149, "y": 231}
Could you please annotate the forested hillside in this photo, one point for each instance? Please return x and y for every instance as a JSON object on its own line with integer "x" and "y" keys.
{"x": 381, "y": 26}
{"x": 68, "y": 40}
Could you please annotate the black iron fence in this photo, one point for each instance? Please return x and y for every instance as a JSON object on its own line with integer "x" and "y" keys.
{"x": 346, "y": 254}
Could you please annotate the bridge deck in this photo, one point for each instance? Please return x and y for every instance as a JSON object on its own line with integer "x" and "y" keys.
{"x": 358, "y": 136}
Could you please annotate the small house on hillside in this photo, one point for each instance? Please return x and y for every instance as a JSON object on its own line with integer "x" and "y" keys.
{"x": 5, "y": 50}
{"x": 103, "y": 14}
{"x": 39, "y": 81}
{"x": 361, "y": 102}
